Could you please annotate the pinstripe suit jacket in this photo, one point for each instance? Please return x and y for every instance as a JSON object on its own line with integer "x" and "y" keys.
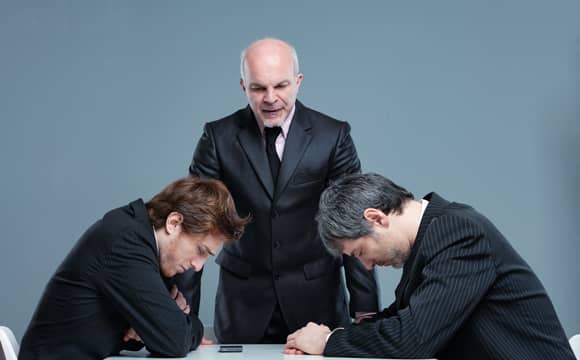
{"x": 464, "y": 294}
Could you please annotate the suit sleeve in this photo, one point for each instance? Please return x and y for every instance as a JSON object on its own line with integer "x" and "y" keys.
{"x": 458, "y": 272}
{"x": 361, "y": 283}
{"x": 130, "y": 279}
{"x": 203, "y": 164}
{"x": 205, "y": 161}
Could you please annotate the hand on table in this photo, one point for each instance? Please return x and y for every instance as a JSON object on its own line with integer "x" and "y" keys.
{"x": 311, "y": 339}
{"x": 131, "y": 334}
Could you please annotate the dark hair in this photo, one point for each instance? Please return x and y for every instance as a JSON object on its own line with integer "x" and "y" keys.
{"x": 342, "y": 205}
{"x": 205, "y": 204}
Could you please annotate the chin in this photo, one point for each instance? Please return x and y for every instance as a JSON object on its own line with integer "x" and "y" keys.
{"x": 272, "y": 122}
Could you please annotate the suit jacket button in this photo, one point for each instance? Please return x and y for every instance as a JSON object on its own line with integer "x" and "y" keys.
{"x": 276, "y": 245}
{"x": 276, "y": 276}
{"x": 274, "y": 214}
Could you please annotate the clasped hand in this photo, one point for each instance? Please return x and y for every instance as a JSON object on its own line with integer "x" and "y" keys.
{"x": 311, "y": 339}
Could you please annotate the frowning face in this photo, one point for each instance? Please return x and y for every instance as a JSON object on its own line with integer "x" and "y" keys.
{"x": 270, "y": 82}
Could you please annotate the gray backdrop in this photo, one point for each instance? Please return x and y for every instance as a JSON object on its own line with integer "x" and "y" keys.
{"x": 102, "y": 102}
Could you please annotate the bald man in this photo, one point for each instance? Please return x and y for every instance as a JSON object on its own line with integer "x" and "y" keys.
{"x": 276, "y": 156}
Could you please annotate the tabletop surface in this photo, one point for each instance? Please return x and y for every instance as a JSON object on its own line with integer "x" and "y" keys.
{"x": 252, "y": 351}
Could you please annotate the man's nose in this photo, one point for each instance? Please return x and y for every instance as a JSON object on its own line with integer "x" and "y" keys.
{"x": 367, "y": 264}
{"x": 270, "y": 96}
{"x": 197, "y": 264}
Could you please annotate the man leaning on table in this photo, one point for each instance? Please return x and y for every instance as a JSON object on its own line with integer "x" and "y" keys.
{"x": 464, "y": 293}
{"x": 110, "y": 293}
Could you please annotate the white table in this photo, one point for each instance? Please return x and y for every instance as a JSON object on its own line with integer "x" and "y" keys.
{"x": 250, "y": 352}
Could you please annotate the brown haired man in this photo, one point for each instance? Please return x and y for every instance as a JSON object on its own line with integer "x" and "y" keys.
{"x": 110, "y": 294}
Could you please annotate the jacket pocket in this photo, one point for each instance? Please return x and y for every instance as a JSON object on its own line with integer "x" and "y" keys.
{"x": 233, "y": 264}
{"x": 306, "y": 178}
{"x": 320, "y": 267}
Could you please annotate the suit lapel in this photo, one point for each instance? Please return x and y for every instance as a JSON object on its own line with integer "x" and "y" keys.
{"x": 297, "y": 142}
{"x": 251, "y": 141}
{"x": 433, "y": 211}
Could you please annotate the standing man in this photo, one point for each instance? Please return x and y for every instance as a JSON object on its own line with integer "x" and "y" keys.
{"x": 464, "y": 293}
{"x": 276, "y": 156}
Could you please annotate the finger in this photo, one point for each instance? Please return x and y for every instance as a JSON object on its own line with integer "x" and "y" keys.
{"x": 173, "y": 291}
{"x": 187, "y": 309}
{"x": 205, "y": 341}
{"x": 180, "y": 300}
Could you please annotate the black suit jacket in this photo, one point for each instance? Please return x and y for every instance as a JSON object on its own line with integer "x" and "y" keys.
{"x": 280, "y": 256}
{"x": 110, "y": 281}
{"x": 464, "y": 294}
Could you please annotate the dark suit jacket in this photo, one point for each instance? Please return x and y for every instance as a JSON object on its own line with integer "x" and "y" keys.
{"x": 280, "y": 256}
{"x": 464, "y": 294}
{"x": 110, "y": 281}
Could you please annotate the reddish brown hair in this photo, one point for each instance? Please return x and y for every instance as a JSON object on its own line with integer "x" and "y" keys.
{"x": 205, "y": 204}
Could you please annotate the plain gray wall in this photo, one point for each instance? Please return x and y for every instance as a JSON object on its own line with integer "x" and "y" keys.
{"x": 102, "y": 102}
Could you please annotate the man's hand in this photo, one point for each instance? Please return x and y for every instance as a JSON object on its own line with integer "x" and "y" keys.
{"x": 179, "y": 299}
{"x": 360, "y": 316}
{"x": 311, "y": 339}
{"x": 205, "y": 341}
{"x": 131, "y": 334}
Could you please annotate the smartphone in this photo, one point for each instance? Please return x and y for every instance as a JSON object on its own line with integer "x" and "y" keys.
{"x": 230, "y": 348}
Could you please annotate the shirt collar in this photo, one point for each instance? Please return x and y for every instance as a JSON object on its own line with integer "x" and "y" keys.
{"x": 156, "y": 241}
{"x": 424, "y": 204}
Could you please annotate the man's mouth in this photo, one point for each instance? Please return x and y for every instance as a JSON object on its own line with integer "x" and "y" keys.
{"x": 271, "y": 112}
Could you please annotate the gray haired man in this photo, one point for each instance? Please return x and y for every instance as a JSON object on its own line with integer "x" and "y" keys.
{"x": 464, "y": 292}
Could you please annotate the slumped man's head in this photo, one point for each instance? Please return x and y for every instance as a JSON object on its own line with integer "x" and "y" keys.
{"x": 369, "y": 217}
{"x": 192, "y": 219}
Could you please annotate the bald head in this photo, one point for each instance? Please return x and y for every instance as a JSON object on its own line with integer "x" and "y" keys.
{"x": 270, "y": 80}
{"x": 268, "y": 48}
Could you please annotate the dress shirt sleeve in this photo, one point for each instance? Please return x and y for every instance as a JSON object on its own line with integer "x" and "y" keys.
{"x": 131, "y": 280}
{"x": 458, "y": 270}
{"x": 361, "y": 283}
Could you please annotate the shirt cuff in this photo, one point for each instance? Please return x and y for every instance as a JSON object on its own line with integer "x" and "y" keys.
{"x": 332, "y": 332}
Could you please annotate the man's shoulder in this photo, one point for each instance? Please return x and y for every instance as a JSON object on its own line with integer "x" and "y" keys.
{"x": 235, "y": 119}
{"x": 318, "y": 118}
{"x": 130, "y": 220}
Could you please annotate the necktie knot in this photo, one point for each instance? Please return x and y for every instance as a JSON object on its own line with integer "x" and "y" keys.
{"x": 271, "y": 134}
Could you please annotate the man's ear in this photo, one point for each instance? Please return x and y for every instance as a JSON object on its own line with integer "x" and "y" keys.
{"x": 242, "y": 85}
{"x": 376, "y": 216}
{"x": 174, "y": 219}
{"x": 299, "y": 78}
